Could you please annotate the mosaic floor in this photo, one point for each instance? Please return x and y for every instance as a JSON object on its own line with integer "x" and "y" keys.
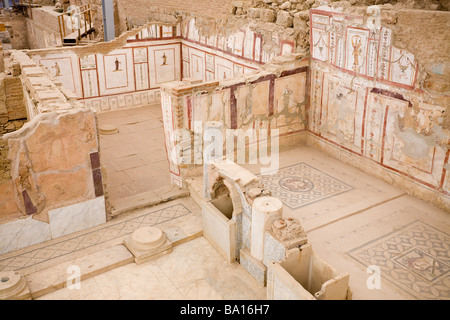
{"x": 415, "y": 258}
{"x": 72, "y": 244}
{"x": 301, "y": 184}
{"x": 353, "y": 221}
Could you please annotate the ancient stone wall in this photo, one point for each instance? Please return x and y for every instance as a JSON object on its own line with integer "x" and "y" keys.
{"x": 54, "y": 164}
{"x": 275, "y": 98}
{"x": 379, "y": 106}
{"x": 150, "y": 55}
{"x": 43, "y": 28}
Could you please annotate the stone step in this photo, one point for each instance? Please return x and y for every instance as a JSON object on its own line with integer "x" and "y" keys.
{"x": 147, "y": 199}
{"x": 54, "y": 278}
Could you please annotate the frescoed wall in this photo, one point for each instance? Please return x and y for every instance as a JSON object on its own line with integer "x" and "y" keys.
{"x": 123, "y": 78}
{"x": 130, "y": 75}
{"x": 365, "y": 100}
{"x": 261, "y": 101}
{"x": 342, "y": 41}
{"x": 221, "y": 57}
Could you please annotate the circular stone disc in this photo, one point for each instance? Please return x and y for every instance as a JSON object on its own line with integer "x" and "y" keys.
{"x": 147, "y": 238}
{"x": 108, "y": 129}
{"x": 11, "y": 284}
{"x": 268, "y": 204}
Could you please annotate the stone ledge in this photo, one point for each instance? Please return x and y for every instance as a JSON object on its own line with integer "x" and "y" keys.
{"x": 147, "y": 199}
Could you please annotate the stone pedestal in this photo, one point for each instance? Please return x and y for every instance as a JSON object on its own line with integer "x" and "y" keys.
{"x": 265, "y": 211}
{"x": 148, "y": 243}
{"x": 13, "y": 286}
{"x": 108, "y": 129}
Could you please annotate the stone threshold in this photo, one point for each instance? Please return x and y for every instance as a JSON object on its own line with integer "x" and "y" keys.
{"x": 147, "y": 199}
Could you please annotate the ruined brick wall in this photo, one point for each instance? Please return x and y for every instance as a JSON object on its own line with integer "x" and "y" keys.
{"x": 13, "y": 113}
{"x": 5, "y": 165}
{"x": 138, "y": 9}
{"x": 16, "y": 25}
{"x": 53, "y": 161}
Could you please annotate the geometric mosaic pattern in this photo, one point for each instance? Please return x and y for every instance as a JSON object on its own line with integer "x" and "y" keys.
{"x": 415, "y": 258}
{"x": 92, "y": 238}
{"x": 300, "y": 185}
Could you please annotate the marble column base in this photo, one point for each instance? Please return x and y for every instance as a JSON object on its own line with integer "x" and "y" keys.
{"x": 13, "y": 286}
{"x": 148, "y": 243}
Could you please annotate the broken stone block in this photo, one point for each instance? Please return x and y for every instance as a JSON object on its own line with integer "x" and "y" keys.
{"x": 299, "y": 23}
{"x": 286, "y": 5}
{"x": 284, "y": 19}
{"x": 267, "y": 15}
{"x": 254, "y": 13}
{"x": 285, "y": 234}
{"x": 148, "y": 243}
{"x": 290, "y": 232}
{"x": 253, "y": 266}
{"x": 305, "y": 276}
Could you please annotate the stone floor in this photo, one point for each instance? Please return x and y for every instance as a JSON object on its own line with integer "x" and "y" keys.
{"x": 193, "y": 271}
{"x": 135, "y": 158}
{"x": 180, "y": 218}
{"x": 353, "y": 221}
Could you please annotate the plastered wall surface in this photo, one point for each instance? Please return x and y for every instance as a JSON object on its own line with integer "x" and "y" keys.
{"x": 43, "y": 28}
{"x": 123, "y": 76}
{"x": 54, "y": 165}
{"x": 368, "y": 97}
{"x": 274, "y": 98}
{"x": 129, "y": 71}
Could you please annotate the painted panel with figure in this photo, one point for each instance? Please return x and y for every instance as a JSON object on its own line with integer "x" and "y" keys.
{"x": 165, "y": 65}
{"x": 115, "y": 67}
{"x": 63, "y": 70}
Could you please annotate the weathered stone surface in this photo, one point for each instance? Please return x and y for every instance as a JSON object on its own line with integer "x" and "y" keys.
{"x": 4, "y": 162}
{"x": 254, "y": 13}
{"x": 8, "y": 206}
{"x": 62, "y": 144}
{"x": 267, "y": 15}
{"x": 286, "y": 5}
{"x": 64, "y": 187}
{"x": 284, "y": 19}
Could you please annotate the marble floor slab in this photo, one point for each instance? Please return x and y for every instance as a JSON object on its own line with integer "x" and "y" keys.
{"x": 179, "y": 219}
{"x": 193, "y": 271}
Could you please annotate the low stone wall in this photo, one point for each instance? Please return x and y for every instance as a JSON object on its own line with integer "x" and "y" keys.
{"x": 273, "y": 100}
{"x": 55, "y": 184}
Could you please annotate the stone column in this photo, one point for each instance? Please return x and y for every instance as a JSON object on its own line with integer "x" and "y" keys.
{"x": 265, "y": 211}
